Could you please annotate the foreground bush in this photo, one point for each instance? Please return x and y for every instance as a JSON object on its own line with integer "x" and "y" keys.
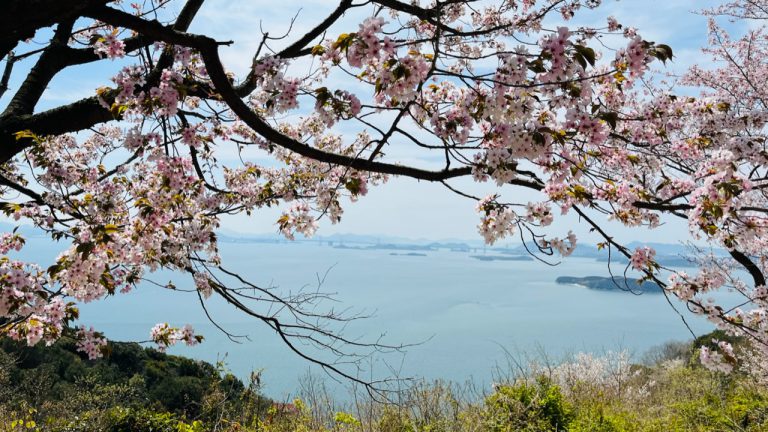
{"x": 139, "y": 390}
{"x": 537, "y": 406}
{"x": 57, "y": 388}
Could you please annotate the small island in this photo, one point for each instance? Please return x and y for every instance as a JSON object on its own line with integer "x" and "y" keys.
{"x": 615, "y": 283}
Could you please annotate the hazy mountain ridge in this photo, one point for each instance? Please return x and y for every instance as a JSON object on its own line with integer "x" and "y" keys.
{"x": 667, "y": 254}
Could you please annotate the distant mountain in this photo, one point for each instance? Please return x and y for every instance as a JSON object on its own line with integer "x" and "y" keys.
{"x": 387, "y": 246}
{"x": 582, "y": 251}
{"x": 663, "y": 249}
{"x": 667, "y": 254}
{"x": 502, "y": 257}
{"x": 664, "y": 260}
{"x": 452, "y": 246}
{"x": 672, "y": 255}
{"x": 615, "y": 283}
{"x": 356, "y": 239}
{"x": 376, "y": 239}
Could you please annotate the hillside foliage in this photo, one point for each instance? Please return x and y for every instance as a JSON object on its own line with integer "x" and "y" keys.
{"x": 135, "y": 389}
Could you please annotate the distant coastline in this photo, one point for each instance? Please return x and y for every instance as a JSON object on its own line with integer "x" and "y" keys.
{"x": 502, "y": 257}
{"x": 669, "y": 255}
{"x": 615, "y": 283}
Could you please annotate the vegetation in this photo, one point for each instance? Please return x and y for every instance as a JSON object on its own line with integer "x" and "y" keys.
{"x": 138, "y": 389}
{"x": 141, "y": 174}
{"x": 131, "y": 389}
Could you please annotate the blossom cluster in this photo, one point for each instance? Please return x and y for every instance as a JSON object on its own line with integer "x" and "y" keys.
{"x": 166, "y": 336}
{"x": 497, "y": 221}
{"x": 642, "y": 258}
{"x": 110, "y": 46}
{"x": 721, "y": 360}
{"x": 90, "y": 342}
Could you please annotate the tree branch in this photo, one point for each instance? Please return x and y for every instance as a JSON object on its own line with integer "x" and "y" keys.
{"x": 78, "y": 115}
{"x": 208, "y": 49}
{"x": 297, "y": 48}
{"x": 751, "y": 267}
{"x": 22, "y": 18}
{"x": 51, "y": 61}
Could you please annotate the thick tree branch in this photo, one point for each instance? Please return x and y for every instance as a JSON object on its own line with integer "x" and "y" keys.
{"x": 208, "y": 49}
{"x": 661, "y": 206}
{"x": 69, "y": 118}
{"x": 426, "y": 14}
{"x": 88, "y": 112}
{"x": 751, "y": 267}
{"x": 48, "y": 65}
{"x": 76, "y": 116}
{"x": 22, "y": 18}
{"x": 9, "y": 62}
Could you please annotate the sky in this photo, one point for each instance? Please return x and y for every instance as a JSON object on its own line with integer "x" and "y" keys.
{"x": 402, "y": 207}
{"x": 417, "y": 209}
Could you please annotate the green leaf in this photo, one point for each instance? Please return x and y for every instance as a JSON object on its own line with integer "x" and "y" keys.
{"x": 318, "y": 50}
{"x": 663, "y": 52}
{"x": 353, "y": 185}
{"x": 586, "y": 54}
{"x": 26, "y": 133}
{"x": 610, "y": 117}
{"x": 54, "y": 269}
{"x": 537, "y": 66}
{"x": 344, "y": 41}
{"x": 85, "y": 249}
{"x": 580, "y": 60}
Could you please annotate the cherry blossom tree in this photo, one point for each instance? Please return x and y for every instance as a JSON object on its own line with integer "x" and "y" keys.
{"x": 131, "y": 179}
{"x": 719, "y": 178}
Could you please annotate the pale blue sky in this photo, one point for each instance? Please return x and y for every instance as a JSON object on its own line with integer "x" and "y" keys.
{"x": 406, "y": 207}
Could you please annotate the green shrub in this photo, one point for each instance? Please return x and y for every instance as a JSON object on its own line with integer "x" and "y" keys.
{"x": 132, "y": 420}
{"x": 526, "y": 406}
{"x": 748, "y": 409}
{"x": 598, "y": 419}
{"x": 394, "y": 420}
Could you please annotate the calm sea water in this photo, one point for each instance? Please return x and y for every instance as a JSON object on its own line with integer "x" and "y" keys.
{"x": 465, "y": 312}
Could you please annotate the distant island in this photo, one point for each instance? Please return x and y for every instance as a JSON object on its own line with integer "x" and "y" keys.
{"x": 667, "y": 254}
{"x": 665, "y": 260}
{"x": 389, "y": 246}
{"x": 615, "y": 283}
{"x": 502, "y": 257}
{"x": 408, "y": 254}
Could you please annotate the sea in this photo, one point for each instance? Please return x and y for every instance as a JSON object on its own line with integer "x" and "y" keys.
{"x": 457, "y": 318}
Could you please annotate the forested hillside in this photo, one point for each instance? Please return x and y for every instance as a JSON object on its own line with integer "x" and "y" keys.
{"x": 60, "y": 389}
{"x": 138, "y": 389}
